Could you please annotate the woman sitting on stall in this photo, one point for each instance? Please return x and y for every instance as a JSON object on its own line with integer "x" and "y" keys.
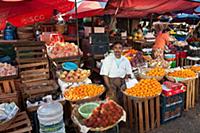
{"x": 115, "y": 69}
{"x": 162, "y": 40}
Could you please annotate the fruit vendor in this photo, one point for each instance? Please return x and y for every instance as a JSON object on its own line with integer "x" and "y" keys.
{"x": 115, "y": 69}
{"x": 162, "y": 40}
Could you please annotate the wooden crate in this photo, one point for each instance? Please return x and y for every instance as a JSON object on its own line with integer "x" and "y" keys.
{"x": 180, "y": 62}
{"x": 34, "y": 69}
{"x": 197, "y": 86}
{"x": 8, "y": 92}
{"x": 56, "y": 64}
{"x": 189, "y": 62}
{"x": 20, "y": 124}
{"x": 142, "y": 116}
{"x": 47, "y": 27}
{"x": 190, "y": 94}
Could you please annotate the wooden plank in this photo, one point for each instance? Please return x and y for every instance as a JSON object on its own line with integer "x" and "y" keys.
{"x": 30, "y": 54}
{"x": 187, "y": 99}
{"x": 152, "y": 114}
{"x": 33, "y": 75}
{"x": 33, "y": 64}
{"x": 41, "y": 82}
{"x": 12, "y": 86}
{"x": 193, "y": 92}
{"x": 31, "y": 60}
{"x": 190, "y": 94}
{"x": 130, "y": 111}
{"x": 158, "y": 111}
{"x": 29, "y": 48}
{"x": 36, "y": 79}
{"x": 23, "y": 130}
{"x": 141, "y": 122}
{"x": 136, "y": 116}
{"x": 41, "y": 90}
{"x": 34, "y": 71}
{"x": 197, "y": 89}
{"x": 6, "y": 87}
{"x": 146, "y": 108}
{"x": 17, "y": 124}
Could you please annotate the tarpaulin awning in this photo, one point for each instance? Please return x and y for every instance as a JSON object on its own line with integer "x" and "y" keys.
{"x": 87, "y": 8}
{"x": 31, "y": 11}
{"x": 140, "y": 8}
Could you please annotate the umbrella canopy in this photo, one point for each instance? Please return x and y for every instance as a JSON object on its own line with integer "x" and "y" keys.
{"x": 187, "y": 16}
{"x": 87, "y": 8}
{"x": 197, "y": 9}
{"x": 31, "y": 11}
{"x": 140, "y": 8}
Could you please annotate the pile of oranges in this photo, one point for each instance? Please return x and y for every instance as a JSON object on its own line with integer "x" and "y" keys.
{"x": 83, "y": 91}
{"x": 195, "y": 68}
{"x": 156, "y": 72}
{"x": 184, "y": 73}
{"x": 145, "y": 88}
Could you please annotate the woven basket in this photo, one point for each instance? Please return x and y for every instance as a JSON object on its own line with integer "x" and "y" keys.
{"x": 135, "y": 98}
{"x": 79, "y": 118}
{"x": 86, "y": 99}
{"x": 143, "y": 75}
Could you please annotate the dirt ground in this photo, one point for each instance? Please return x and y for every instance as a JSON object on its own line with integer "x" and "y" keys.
{"x": 189, "y": 122}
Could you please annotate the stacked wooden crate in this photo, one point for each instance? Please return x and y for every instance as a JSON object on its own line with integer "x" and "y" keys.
{"x": 34, "y": 70}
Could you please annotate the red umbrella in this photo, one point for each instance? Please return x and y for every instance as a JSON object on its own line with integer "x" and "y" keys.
{"x": 27, "y": 12}
{"x": 87, "y": 8}
{"x": 140, "y": 8}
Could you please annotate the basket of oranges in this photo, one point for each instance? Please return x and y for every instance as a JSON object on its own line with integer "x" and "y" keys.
{"x": 181, "y": 75}
{"x": 149, "y": 73}
{"x": 144, "y": 89}
{"x": 83, "y": 93}
{"x": 195, "y": 68}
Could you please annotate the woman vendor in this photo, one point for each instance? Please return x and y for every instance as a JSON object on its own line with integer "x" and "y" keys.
{"x": 115, "y": 69}
{"x": 162, "y": 40}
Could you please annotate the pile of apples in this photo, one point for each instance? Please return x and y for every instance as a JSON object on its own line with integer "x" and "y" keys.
{"x": 104, "y": 115}
{"x": 64, "y": 49}
{"x": 74, "y": 76}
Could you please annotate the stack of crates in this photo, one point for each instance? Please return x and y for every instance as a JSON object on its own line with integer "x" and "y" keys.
{"x": 171, "y": 107}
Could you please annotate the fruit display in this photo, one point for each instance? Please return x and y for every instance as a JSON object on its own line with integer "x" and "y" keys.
{"x": 181, "y": 43}
{"x": 156, "y": 72}
{"x": 138, "y": 60}
{"x": 138, "y": 36}
{"x": 63, "y": 49}
{"x": 183, "y": 73}
{"x": 159, "y": 63}
{"x": 195, "y": 68}
{"x": 7, "y": 70}
{"x": 105, "y": 115}
{"x": 83, "y": 91}
{"x": 145, "y": 88}
{"x": 129, "y": 52}
{"x": 74, "y": 76}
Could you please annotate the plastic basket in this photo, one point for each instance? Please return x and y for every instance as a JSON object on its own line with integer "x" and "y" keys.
{"x": 171, "y": 113}
{"x": 172, "y": 100}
